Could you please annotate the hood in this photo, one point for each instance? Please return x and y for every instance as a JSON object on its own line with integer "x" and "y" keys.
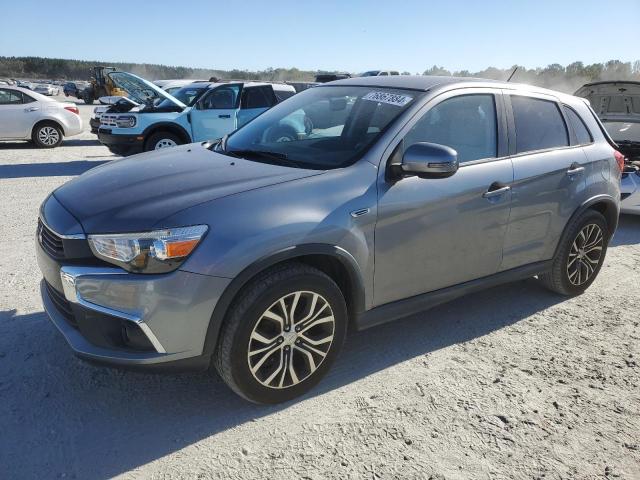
{"x": 142, "y": 91}
{"x": 135, "y": 193}
{"x": 613, "y": 101}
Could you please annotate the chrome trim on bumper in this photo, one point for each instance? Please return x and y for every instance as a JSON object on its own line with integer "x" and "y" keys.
{"x": 74, "y": 236}
{"x": 69, "y": 275}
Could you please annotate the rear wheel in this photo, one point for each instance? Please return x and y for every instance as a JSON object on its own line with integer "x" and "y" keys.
{"x": 282, "y": 334}
{"x": 47, "y": 135}
{"x": 580, "y": 255}
{"x": 159, "y": 140}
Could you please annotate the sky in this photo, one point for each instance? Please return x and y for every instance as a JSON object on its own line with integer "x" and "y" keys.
{"x": 354, "y": 36}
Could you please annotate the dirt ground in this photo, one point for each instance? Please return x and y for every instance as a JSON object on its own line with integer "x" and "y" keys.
{"x": 513, "y": 382}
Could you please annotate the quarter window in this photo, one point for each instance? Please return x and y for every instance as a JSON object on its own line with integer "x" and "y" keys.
{"x": 466, "y": 123}
{"x": 539, "y": 124}
{"x": 583, "y": 136}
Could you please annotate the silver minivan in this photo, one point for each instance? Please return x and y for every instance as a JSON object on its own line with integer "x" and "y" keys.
{"x": 255, "y": 253}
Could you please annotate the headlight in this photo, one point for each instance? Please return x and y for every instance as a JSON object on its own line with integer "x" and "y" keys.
{"x": 150, "y": 252}
{"x": 125, "y": 121}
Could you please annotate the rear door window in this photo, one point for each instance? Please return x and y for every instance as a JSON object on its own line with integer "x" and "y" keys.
{"x": 583, "y": 136}
{"x": 258, "y": 97}
{"x": 539, "y": 124}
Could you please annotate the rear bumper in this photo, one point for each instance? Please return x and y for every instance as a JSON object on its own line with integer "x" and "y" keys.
{"x": 114, "y": 317}
{"x": 121, "y": 144}
{"x": 73, "y": 125}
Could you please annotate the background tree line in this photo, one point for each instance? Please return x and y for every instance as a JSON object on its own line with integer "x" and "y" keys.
{"x": 565, "y": 78}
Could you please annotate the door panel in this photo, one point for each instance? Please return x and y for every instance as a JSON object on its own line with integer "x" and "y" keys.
{"x": 16, "y": 118}
{"x": 216, "y": 114}
{"x": 548, "y": 185}
{"x": 434, "y": 233}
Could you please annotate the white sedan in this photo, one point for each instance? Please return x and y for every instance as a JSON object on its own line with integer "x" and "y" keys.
{"x": 26, "y": 115}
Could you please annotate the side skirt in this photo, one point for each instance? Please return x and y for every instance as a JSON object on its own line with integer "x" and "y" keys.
{"x": 409, "y": 306}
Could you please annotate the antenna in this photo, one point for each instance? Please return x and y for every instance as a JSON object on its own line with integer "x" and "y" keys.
{"x": 512, "y": 74}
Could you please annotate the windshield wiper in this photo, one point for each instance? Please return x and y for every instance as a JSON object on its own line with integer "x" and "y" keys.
{"x": 275, "y": 157}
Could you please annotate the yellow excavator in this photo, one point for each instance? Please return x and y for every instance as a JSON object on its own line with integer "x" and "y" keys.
{"x": 101, "y": 85}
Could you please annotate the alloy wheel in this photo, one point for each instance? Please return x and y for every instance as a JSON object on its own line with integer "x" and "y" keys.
{"x": 585, "y": 254}
{"x": 48, "y": 136}
{"x": 291, "y": 339}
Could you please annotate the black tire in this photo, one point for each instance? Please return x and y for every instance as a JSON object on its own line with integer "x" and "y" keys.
{"x": 47, "y": 135}
{"x": 156, "y": 137}
{"x": 232, "y": 359}
{"x": 558, "y": 278}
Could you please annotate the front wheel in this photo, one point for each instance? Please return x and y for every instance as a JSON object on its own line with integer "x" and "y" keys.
{"x": 282, "y": 334}
{"x": 160, "y": 140}
{"x": 580, "y": 255}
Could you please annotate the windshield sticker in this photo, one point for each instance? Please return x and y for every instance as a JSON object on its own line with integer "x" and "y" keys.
{"x": 390, "y": 98}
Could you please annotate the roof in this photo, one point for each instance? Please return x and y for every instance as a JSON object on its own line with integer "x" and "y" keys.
{"x": 413, "y": 82}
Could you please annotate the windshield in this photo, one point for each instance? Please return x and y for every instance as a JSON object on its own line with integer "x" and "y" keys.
{"x": 187, "y": 95}
{"x": 321, "y": 128}
{"x": 371, "y": 73}
{"x": 623, "y": 131}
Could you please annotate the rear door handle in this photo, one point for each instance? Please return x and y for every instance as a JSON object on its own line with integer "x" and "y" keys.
{"x": 31, "y": 109}
{"x": 224, "y": 116}
{"x": 496, "y": 189}
{"x": 575, "y": 169}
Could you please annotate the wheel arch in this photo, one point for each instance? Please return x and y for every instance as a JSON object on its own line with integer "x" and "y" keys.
{"x": 334, "y": 261}
{"x": 604, "y": 204}
{"x": 167, "y": 127}
{"x": 48, "y": 120}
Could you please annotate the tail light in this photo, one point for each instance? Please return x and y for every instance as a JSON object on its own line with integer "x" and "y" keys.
{"x": 73, "y": 110}
{"x": 620, "y": 159}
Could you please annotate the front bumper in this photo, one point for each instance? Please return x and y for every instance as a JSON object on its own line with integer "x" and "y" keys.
{"x": 95, "y": 124}
{"x": 121, "y": 144}
{"x": 111, "y": 316}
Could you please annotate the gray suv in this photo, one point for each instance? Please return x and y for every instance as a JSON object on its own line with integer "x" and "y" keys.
{"x": 256, "y": 253}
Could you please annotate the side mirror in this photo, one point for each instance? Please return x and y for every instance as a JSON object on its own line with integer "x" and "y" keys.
{"x": 429, "y": 160}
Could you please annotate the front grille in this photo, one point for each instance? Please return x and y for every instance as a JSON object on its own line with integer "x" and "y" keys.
{"x": 107, "y": 120}
{"x": 50, "y": 241}
{"x": 62, "y": 305}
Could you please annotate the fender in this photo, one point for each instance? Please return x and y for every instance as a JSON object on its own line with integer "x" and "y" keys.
{"x": 612, "y": 213}
{"x": 47, "y": 118}
{"x": 168, "y": 126}
{"x": 291, "y": 253}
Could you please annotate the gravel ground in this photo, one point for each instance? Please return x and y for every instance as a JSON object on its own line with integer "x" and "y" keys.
{"x": 513, "y": 382}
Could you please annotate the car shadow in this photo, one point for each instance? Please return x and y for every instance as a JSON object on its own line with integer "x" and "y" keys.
{"x": 628, "y": 232}
{"x": 72, "y": 142}
{"x": 52, "y": 169}
{"x": 64, "y": 416}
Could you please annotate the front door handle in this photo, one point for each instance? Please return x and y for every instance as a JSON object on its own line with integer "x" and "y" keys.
{"x": 496, "y": 189}
{"x": 575, "y": 169}
{"x": 224, "y": 116}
